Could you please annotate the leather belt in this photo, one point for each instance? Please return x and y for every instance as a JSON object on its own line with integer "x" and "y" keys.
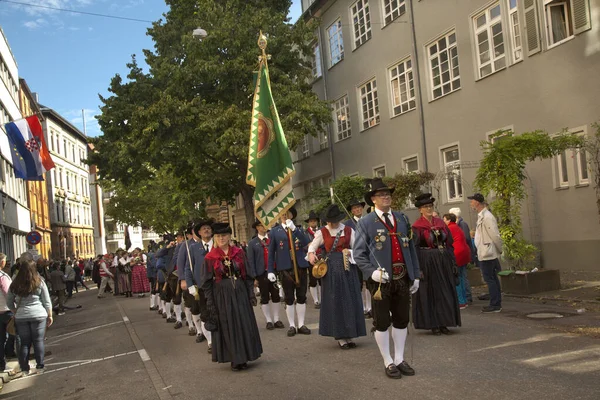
{"x": 398, "y": 271}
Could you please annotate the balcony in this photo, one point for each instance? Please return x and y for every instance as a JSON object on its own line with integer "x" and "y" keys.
{"x": 150, "y": 235}
{"x": 115, "y": 236}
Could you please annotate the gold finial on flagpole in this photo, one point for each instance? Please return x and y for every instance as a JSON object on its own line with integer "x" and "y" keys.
{"x": 262, "y": 43}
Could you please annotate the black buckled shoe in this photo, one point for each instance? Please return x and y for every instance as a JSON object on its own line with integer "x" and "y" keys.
{"x": 209, "y": 350}
{"x": 436, "y": 331}
{"x": 445, "y": 330}
{"x": 178, "y": 325}
{"x": 291, "y": 332}
{"x": 352, "y": 345}
{"x": 270, "y": 326}
{"x": 192, "y": 332}
{"x": 392, "y": 372}
{"x": 170, "y": 320}
{"x": 303, "y": 330}
{"x": 200, "y": 338}
{"x": 279, "y": 325}
{"x": 405, "y": 369}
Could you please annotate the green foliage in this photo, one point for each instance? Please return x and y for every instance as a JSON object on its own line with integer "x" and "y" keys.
{"x": 592, "y": 147}
{"x": 345, "y": 188}
{"x": 408, "y": 185}
{"x": 191, "y": 111}
{"x": 502, "y": 172}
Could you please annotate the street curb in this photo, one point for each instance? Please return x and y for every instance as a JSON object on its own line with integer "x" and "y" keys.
{"x": 155, "y": 377}
{"x": 565, "y": 299}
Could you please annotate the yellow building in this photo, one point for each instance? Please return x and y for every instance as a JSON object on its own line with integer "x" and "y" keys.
{"x": 37, "y": 192}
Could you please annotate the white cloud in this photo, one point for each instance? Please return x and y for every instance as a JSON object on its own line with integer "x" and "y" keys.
{"x": 35, "y": 24}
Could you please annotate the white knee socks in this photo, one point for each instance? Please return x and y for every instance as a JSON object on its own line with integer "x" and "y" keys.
{"x": 267, "y": 312}
{"x": 178, "y": 312}
{"x": 399, "y": 336}
{"x": 275, "y": 310}
{"x": 291, "y": 315}
{"x": 197, "y": 324}
{"x": 367, "y": 300}
{"x": 383, "y": 342}
{"x": 314, "y": 292}
{"x": 207, "y": 334}
{"x": 188, "y": 317}
{"x": 152, "y": 299}
{"x": 168, "y": 309}
{"x": 301, "y": 310}
{"x": 163, "y": 306}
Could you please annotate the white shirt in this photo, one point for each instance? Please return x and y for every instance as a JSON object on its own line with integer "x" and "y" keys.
{"x": 318, "y": 240}
{"x": 262, "y": 238}
{"x": 390, "y": 216}
{"x": 210, "y": 244}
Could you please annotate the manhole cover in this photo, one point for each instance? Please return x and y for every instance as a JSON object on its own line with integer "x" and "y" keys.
{"x": 544, "y": 315}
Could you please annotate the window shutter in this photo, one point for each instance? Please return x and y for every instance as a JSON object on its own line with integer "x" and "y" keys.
{"x": 580, "y": 12}
{"x": 532, "y": 27}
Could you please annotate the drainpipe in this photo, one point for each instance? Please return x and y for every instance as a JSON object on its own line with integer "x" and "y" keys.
{"x": 418, "y": 84}
{"x": 329, "y": 136}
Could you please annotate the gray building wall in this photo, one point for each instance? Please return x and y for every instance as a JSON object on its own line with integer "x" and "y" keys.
{"x": 554, "y": 89}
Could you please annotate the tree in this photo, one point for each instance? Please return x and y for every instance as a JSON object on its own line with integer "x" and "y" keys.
{"x": 407, "y": 186}
{"x": 592, "y": 148}
{"x": 502, "y": 172}
{"x": 191, "y": 111}
{"x": 345, "y": 189}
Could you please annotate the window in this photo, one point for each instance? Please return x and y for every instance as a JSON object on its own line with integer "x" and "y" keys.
{"x": 65, "y": 147}
{"x": 52, "y": 141}
{"x": 336, "y": 43}
{"x": 342, "y": 118}
{"x": 361, "y": 20}
{"x": 369, "y": 104}
{"x": 515, "y": 31}
{"x": 558, "y": 21}
{"x": 411, "y": 164}
{"x": 379, "y": 172}
{"x": 443, "y": 63}
{"x": 316, "y": 61}
{"x": 392, "y": 9}
{"x": 304, "y": 150}
{"x": 490, "y": 41}
{"x": 323, "y": 143}
{"x": 451, "y": 160}
{"x": 562, "y": 168}
{"x": 583, "y": 177}
{"x": 403, "y": 90}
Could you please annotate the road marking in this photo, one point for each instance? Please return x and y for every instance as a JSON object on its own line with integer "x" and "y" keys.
{"x": 144, "y": 355}
{"x": 65, "y": 336}
{"x": 125, "y": 319}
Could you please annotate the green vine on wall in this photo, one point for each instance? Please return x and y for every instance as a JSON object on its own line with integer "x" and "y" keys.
{"x": 502, "y": 172}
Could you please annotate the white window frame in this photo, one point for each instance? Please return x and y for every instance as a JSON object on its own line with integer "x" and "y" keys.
{"x": 408, "y": 85}
{"x": 317, "y": 69}
{"x": 435, "y": 62}
{"x": 515, "y": 32}
{"x": 361, "y": 22}
{"x": 323, "y": 140}
{"x": 378, "y": 169}
{"x": 335, "y": 41}
{"x": 341, "y": 118}
{"x": 494, "y": 62}
{"x": 372, "y": 106}
{"x": 547, "y": 5}
{"x": 490, "y": 133}
{"x": 454, "y": 168}
{"x": 562, "y": 167}
{"x": 581, "y": 164}
{"x": 304, "y": 150}
{"x": 390, "y": 13}
{"x": 406, "y": 160}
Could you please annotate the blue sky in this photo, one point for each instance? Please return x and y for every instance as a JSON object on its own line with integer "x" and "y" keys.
{"x": 69, "y": 58}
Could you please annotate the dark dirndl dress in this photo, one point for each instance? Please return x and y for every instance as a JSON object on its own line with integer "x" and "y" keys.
{"x": 436, "y": 302}
{"x": 342, "y": 315}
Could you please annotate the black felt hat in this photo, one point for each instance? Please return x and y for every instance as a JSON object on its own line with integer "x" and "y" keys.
{"x": 374, "y": 185}
{"x": 200, "y": 224}
{"x": 423, "y": 199}
{"x": 221, "y": 228}
{"x": 256, "y": 223}
{"x": 355, "y": 202}
{"x": 312, "y": 215}
{"x": 333, "y": 214}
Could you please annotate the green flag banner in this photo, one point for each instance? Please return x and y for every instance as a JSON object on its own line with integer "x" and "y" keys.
{"x": 270, "y": 167}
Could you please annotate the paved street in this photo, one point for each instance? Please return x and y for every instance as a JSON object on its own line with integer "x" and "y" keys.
{"x": 115, "y": 348}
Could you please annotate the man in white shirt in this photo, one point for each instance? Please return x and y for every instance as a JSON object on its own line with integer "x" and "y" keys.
{"x": 489, "y": 247}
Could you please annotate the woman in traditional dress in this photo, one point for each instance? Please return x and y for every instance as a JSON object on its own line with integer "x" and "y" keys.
{"x": 341, "y": 314}
{"x": 229, "y": 290}
{"x": 139, "y": 282}
{"x": 124, "y": 268}
{"x": 435, "y": 305}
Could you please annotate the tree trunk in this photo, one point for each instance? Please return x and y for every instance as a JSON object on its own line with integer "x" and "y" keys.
{"x": 247, "y": 193}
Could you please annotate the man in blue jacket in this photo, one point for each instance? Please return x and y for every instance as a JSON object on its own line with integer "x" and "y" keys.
{"x": 201, "y": 246}
{"x": 385, "y": 253}
{"x": 164, "y": 266}
{"x": 182, "y": 258}
{"x": 280, "y": 255}
{"x": 151, "y": 275}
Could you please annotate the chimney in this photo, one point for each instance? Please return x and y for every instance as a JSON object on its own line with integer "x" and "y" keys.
{"x": 36, "y": 97}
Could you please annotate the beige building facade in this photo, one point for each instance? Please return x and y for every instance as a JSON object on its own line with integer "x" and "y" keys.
{"x": 417, "y": 91}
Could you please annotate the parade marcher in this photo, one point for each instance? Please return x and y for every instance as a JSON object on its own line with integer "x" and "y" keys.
{"x": 489, "y": 248}
{"x": 314, "y": 284}
{"x": 462, "y": 254}
{"x": 228, "y": 287}
{"x": 435, "y": 306}
{"x": 114, "y": 269}
{"x": 173, "y": 290}
{"x": 258, "y": 256}
{"x": 290, "y": 258}
{"x": 139, "y": 282}
{"x": 188, "y": 299}
{"x": 151, "y": 276}
{"x": 356, "y": 208}
{"x": 341, "y": 315}
{"x": 106, "y": 275}
{"x": 124, "y": 268}
{"x": 163, "y": 256}
{"x": 193, "y": 268}
{"x": 70, "y": 278}
{"x": 386, "y": 255}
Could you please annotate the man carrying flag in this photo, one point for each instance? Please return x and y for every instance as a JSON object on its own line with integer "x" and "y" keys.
{"x": 30, "y": 155}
